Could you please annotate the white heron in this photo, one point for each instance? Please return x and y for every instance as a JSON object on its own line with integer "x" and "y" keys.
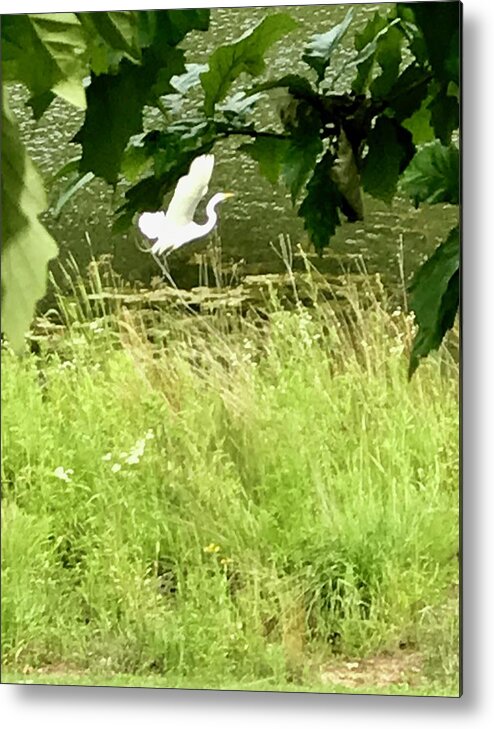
{"x": 173, "y": 229}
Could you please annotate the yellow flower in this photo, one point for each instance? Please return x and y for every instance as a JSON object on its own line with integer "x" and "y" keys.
{"x": 212, "y": 548}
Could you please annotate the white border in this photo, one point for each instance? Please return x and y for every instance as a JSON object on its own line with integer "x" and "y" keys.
{"x": 52, "y": 6}
{"x": 54, "y": 707}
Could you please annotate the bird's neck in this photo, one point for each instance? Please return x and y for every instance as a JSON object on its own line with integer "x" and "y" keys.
{"x": 211, "y": 213}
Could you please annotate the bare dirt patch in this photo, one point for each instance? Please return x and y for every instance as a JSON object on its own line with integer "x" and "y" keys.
{"x": 380, "y": 671}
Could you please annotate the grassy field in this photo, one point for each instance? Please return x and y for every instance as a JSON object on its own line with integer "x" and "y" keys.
{"x": 259, "y": 502}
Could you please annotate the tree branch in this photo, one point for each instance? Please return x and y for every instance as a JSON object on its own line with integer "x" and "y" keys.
{"x": 252, "y": 133}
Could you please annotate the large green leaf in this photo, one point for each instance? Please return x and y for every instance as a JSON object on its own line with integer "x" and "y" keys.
{"x": 114, "y": 113}
{"x": 320, "y": 207}
{"x": 299, "y": 162}
{"x": 75, "y": 183}
{"x": 433, "y": 175}
{"x": 419, "y": 124}
{"x": 39, "y": 103}
{"x": 47, "y": 53}
{"x": 269, "y": 153}
{"x": 175, "y": 148}
{"x": 119, "y": 30}
{"x": 408, "y": 92}
{"x": 445, "y": 115}
{"x": 116, "y": 100}
{"x": 136, "y": 160}
{"x": 366, "y": 44}
{"x": 147, "y": 194}
{"x": 302, "y": 122}
{"x": 110, "y": 36}
{"x": 440, "y": 26}
{"x": 27, "y": 246}
{"x": 171, "y": 26}
{"x": 237, "y": 108}
{"x": 318, "y": 51}
{"x": 390, "y": 150}
{"x": 246, "y": 54}
{"x": 297, "y": 86}
{"x": 388, "y": 56}
{"x": 435, "y": 297}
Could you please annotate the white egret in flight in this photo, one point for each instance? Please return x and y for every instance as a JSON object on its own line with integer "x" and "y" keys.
{"x": 175, "y": 228}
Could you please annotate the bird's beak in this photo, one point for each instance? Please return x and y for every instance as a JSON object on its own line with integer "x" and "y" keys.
{"x": 229, "y": 194}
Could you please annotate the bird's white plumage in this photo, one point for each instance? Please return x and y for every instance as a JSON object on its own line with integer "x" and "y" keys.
{"x": 190, "y": 190}
{"x": 152, "y": 224}
{"x": 171, "y": 230}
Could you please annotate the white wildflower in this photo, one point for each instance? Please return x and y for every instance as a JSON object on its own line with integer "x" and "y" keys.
{"x": 139, "y": 447}
{"x": 106, "y": 457}
{"x": 63, "y": 474}
{"x": 116, "y": 468}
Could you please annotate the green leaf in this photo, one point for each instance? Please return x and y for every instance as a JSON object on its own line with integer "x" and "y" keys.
{"x": 69, "y": 169}
{"x": 388, "y": 56}
{"x": 298, "y": 86}
{"x": 116, "y": 101}
{"x": 119, "y": 31}
{"x": 46, "y": 53}
{"x": 390, "y": 150}
{"x": 406, "y": 95}
{"x": 39, "y": 103}
{"x": 110, "y": 36}
{"x": 414, "y": 37}
{"x": 433, "y": 175}
{"x": 237, "y": 107}
{"x": 419, "y": 124}
{"x": 171, "y": 26}
{"x": 173, "y": 157}
{"x": 145, "y": 195}
{"x": 27, "y": 246}
{"x": 318, "y": 51}
{"x": 435, "y": 297}
{"x": 445, "y": 115}
{"x": 440, "y": 26}
{"x": 136, "y": 160}
{"x": 246, "y": 54}
{"x": 320, "y": 207}
{"x": 366, "y": 46}
{"x": 269, "y": 153}
{"x": 114, "y": 113}
{"x": 299, "y": 162}
{"x": 75, "y": 184}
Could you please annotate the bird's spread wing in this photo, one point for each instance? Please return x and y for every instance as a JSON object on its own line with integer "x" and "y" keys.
{"x": 190, "y": 189}
{"x": 153, "y": 225}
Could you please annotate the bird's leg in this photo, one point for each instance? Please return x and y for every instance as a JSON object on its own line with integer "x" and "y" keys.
{"x": 163, "y": 264}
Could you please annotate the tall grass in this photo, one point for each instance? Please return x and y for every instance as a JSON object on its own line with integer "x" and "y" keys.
{"x": 244, "y": 502}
